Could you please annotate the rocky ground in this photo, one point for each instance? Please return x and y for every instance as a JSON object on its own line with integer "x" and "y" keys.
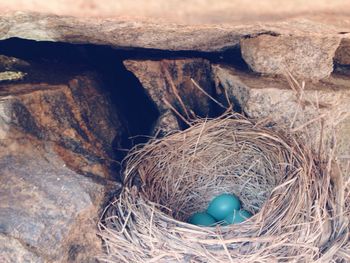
{"x": 76, "y": 93}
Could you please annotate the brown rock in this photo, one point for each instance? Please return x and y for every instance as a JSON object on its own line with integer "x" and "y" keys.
{"x": 12, "y": 250}
{"x": 297, "y": 110}
{"x": 307, "y": 57}
{"x": 76, "y": 115}
{"x": 56, "y": 160}
{"x": 342, "y": 56}
{"x": 169, "y": 82}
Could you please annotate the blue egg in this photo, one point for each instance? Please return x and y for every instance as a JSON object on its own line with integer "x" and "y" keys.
{"x": 244, "y": 213}
{"x": 236, "y": 217}
{"x": 202, "y": 219}
{"x": 222, "y": 205}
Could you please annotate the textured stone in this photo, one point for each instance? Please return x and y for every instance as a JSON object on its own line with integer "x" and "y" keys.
{"x": 306, "y": 57}
{"x": 166, "y": 123}
{"x": 42, "y": 203}
{"x": 122, "y": 32}
{"x": 169, "y": 81}
{"x": 9, "y": 68}
{"x": 11, "y": 63}
{"x": 342, "y": 56}
{"x": 11, "y": 75}
{"x": 273, "y": 98}
{"x": 76, "y": 115}
{"x": 305, "y": 47}
{"x": 55, "y": 140}
{"x": 56, "y": 162}
{"x": 12, "y": 250}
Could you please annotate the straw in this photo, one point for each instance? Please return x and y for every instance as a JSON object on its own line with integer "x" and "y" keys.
{"x": 293, "y": 195}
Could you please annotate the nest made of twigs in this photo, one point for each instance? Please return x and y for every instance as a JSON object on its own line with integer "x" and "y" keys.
{"x": 289, "y": 191}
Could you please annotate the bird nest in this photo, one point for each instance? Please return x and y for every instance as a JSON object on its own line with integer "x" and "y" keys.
{"x": 279, "y": 180}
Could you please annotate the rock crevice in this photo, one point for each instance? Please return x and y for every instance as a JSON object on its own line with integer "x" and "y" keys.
{"x": 69, "y": 113}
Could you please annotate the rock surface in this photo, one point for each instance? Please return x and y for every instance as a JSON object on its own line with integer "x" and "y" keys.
{"x": 297, "y": 109}
{"x": 41, "y": 201}
{"x": 56, "y": 159}
{"x": 342, "y": 55}
{"x": 307, "y": 57}
{"x": 169, "y": 85}
{"x": 298, "y": 40}
{"x": 138, "y": 33}
{"x": 63, "y": 114}
{"x": 10, "y": 63}
{"x": 12, "y": 250}
{"x": 56, "y": 165}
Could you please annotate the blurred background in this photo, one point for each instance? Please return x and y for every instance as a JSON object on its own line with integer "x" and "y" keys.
{"x": 189, "y": 11}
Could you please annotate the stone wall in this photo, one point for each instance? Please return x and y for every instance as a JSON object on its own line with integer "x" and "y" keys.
{"x": 62, "y": 129}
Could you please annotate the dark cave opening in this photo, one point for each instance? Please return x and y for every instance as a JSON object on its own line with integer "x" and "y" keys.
{"x": 54, "y": 62}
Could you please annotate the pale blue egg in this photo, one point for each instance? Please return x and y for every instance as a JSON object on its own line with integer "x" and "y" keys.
{"x": 222, "y": 205}
{"x": 202, "y": 219}
{"x": 236, "y": 217}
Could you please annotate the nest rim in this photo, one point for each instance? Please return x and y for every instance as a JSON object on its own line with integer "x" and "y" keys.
{"x": 269, "y": 233}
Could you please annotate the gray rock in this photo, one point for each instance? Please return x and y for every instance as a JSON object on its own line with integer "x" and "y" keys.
{"x": 323, "y": 104}
{"x": 305, "y": 47}
{"x": 305, "y": 56}
{"x": 140, "y": 33}
{"x": 12, "y": 250}
{"x": 43, "y": 202}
